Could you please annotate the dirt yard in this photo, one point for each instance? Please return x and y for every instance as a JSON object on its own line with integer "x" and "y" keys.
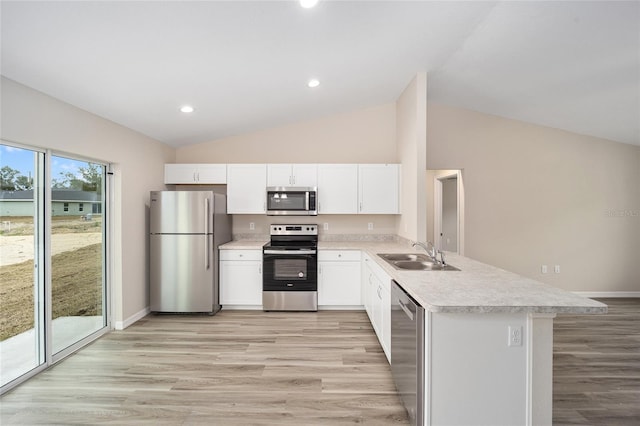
{"x": 76, "y": 272}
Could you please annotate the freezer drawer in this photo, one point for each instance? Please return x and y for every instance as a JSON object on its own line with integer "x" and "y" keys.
{"x": 182, "y": 274}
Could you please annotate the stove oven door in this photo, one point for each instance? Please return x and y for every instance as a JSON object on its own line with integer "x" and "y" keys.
{"x": 290, "y": 270}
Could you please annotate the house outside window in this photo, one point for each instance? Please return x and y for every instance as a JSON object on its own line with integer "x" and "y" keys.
{"x": 66, "y": 207}
{"x": 80, "y": 207}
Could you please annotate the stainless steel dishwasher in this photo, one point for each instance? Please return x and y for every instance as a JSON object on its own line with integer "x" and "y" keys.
{"x": 407, "y": 352}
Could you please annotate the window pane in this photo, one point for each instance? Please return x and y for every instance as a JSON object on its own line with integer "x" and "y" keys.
{"x": 21, "y": 290}
{"x": 77, "y": 250}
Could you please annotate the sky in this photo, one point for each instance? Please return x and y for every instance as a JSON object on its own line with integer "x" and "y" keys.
{"x": 23, "y": 160}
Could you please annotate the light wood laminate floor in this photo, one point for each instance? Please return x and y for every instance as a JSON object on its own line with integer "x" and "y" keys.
{"x": 596, "y": 372}
{"x": 235, "y": 368}
{"x": 325, "y": 368}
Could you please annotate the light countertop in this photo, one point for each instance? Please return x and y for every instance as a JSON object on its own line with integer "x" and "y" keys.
{"x": 476, "y": 288}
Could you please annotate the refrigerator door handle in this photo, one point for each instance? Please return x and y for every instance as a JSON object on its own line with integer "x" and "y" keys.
{"x": 206, "y": 232}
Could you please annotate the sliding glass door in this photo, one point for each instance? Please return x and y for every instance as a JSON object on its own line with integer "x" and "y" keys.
{"x": 77, "y": 251}
{"x": 22, "y": 302}
{"x": 53, "y": 283}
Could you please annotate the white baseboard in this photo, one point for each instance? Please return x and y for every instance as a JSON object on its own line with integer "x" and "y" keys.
{"x": 341, "y": 308}
{"x": 608, "y": 293}
{"x": 241, "y": 307}
{"x": 121, "y": 325}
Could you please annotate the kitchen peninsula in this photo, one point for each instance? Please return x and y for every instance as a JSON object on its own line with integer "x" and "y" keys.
{"x": 488, "y": 335}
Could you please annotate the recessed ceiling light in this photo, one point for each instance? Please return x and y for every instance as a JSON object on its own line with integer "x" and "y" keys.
{"x": 308, "y": 4}
{"x": 313, "y": 83}
{"x": 187, "y": 108}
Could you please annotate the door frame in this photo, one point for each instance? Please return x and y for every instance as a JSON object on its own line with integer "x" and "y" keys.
{"x": 437, "y": 209}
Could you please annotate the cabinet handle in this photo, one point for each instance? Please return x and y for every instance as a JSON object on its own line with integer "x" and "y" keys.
{"x": 260, "y": 269}
{"x": 360, "y": 206}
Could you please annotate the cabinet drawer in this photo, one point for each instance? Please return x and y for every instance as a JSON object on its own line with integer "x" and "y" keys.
{"x": 240, "y": 254}
{"x": 337, "y": 255}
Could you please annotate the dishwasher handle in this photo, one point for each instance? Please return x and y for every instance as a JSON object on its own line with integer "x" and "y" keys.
{"x": 406, "y": 309}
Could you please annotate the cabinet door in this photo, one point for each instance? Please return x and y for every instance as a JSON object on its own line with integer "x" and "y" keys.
{"x": 304, "y": 174}
{"x": 246, "y": 188}
{"x": 337, "y": 188}
{"x": 212, "y": 174}
{"x": 279, "y": 175}
{"x": 378, "y": 188}
{"x": 241, "y": 282}
{"x": 385, "y": 315}
{"x": 179, "y": 173}
{"x": 292, "y": 175}
{"x": 367, "y": 286}
{"x": 339, "y": 283}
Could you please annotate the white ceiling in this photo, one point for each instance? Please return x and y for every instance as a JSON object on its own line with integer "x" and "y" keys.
{"x": 244, "y": 65}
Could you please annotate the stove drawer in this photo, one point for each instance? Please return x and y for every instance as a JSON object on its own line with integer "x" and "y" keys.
{"x": 338, "y": 255}
{"x": 240, "y": 254}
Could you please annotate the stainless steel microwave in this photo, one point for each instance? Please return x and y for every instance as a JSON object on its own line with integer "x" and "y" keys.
{"x": 292, "y": 201}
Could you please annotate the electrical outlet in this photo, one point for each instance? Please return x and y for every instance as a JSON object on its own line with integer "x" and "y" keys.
{"x": 515, "y": 336}
{"x": 556, "y": 269}
{"x": 252, "y": 226}
{"x": 543, "y": 269}
{"x": 326, "y": 226}
{"x": 370, "y": 226}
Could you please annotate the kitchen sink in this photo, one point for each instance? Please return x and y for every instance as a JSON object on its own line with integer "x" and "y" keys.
{"x": 403, "y": 257}
{"x": 414, "y": 262}
{"x": 414, "y": 265}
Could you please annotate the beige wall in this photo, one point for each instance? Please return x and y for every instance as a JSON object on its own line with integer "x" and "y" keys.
{"x": 32, "y": 118}
{"x": 411, "y": 139}
{"x": 362, "y": 136}
{"x": 536, "y": 195}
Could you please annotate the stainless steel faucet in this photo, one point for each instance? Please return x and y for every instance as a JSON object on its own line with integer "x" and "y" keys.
{"x": 431, "y": 251}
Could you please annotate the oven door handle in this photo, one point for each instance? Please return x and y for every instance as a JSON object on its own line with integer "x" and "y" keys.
{"x": 289, "y": 252}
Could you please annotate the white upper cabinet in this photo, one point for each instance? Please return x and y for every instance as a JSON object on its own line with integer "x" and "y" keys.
{"x": 292, "y": 175}
{"x": 337, "y": 188}
{"x": 379, "y": 188}
{"x": 195, "y": 174}
{"x": 246, "y": 188}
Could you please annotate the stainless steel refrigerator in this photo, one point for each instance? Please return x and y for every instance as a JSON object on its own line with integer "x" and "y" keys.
{"x": 186, "y": 228}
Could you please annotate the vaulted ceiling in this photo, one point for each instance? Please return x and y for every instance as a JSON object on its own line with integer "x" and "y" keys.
{"x": 244, "y": 65}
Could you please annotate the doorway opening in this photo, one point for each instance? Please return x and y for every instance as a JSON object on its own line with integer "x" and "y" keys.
{"x": 447, "y": 230}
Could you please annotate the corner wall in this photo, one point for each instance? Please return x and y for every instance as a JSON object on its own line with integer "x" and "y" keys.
{"x": 32, "y": 118}
{"x": 411, "y": 139}
{"x": 536, "y": 195}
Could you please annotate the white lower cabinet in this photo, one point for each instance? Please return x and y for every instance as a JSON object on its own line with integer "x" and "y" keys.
{"x": 339, "y": 278}
{"x": 376, "y": 291}
{"x": 241, "y": 278}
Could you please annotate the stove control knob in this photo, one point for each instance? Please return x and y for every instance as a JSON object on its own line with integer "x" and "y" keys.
{"x": 301, "y": 274}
